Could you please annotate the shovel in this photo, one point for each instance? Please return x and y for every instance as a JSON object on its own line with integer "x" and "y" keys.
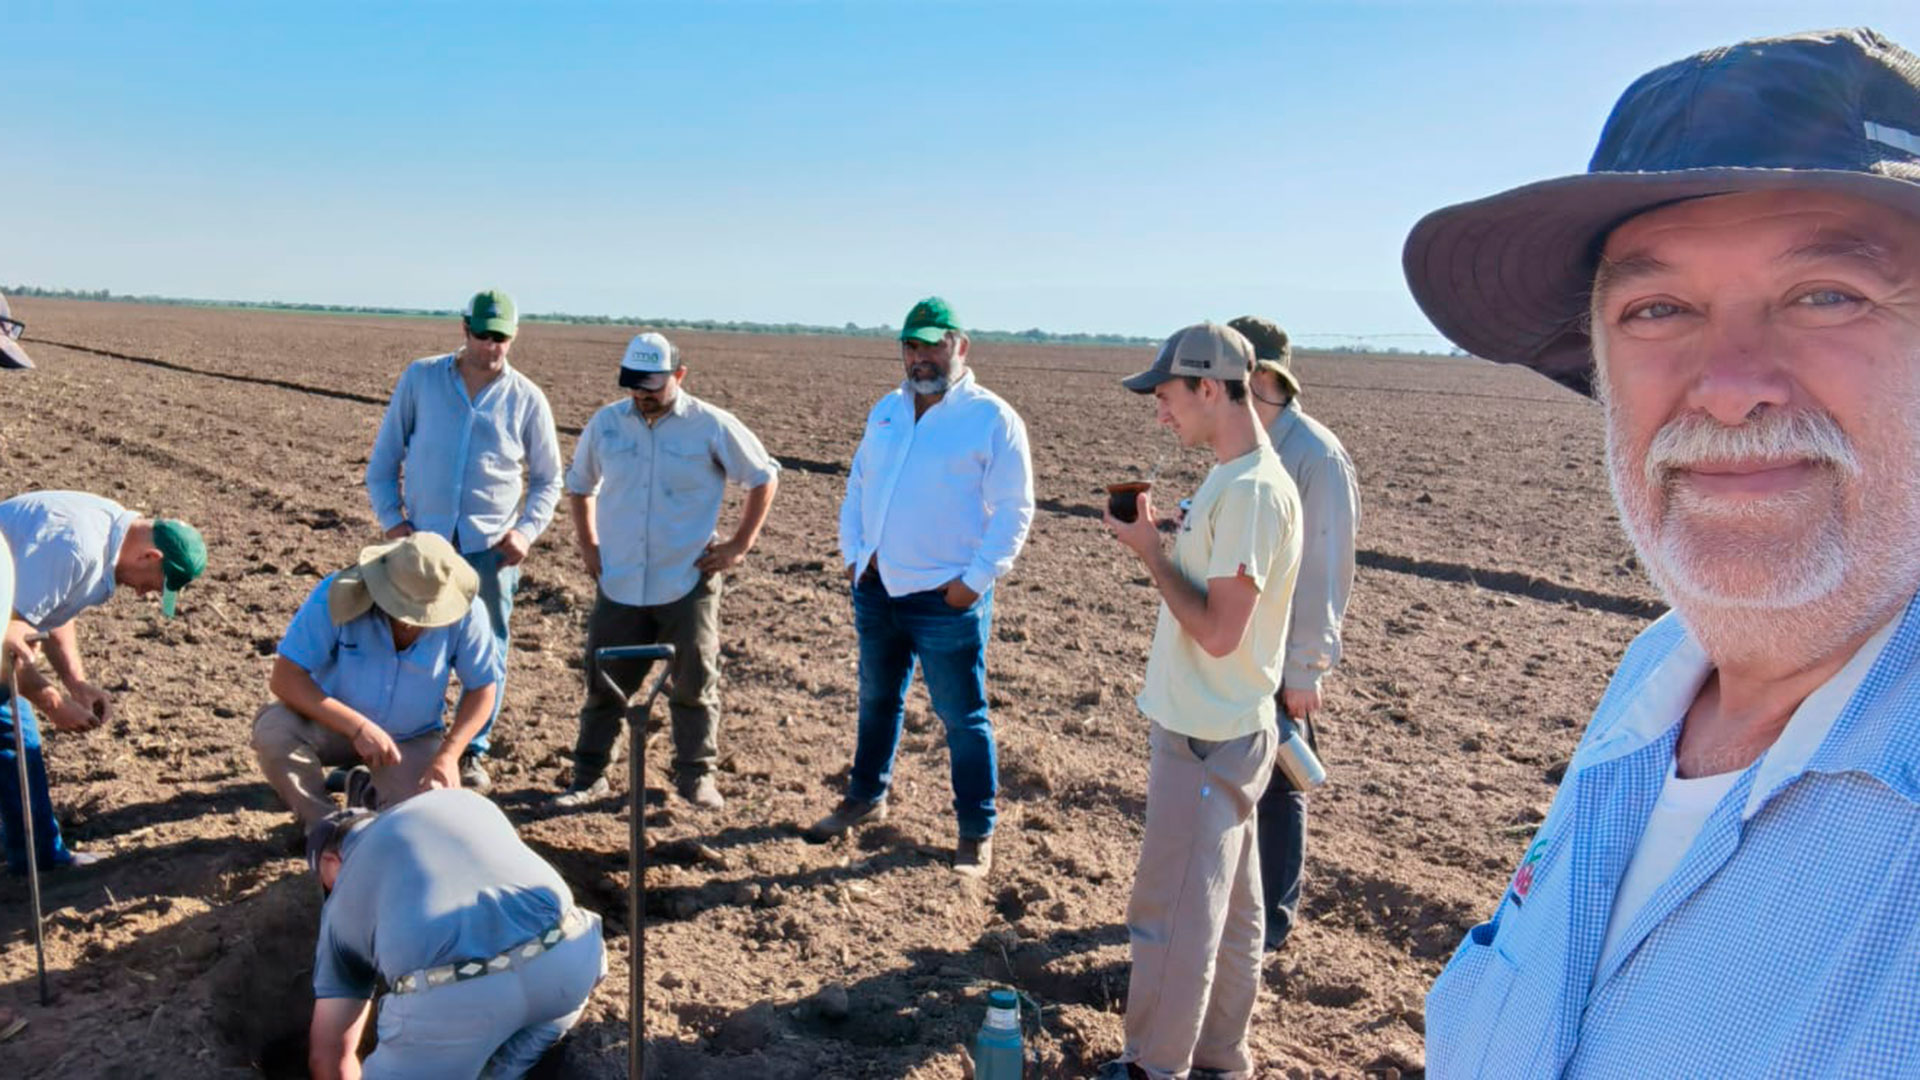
{"x": 7, "y": 661}
{"x": 636, "y": 828}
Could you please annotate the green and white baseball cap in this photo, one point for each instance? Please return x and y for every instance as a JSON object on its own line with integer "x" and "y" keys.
{"x": 492, "y": 312}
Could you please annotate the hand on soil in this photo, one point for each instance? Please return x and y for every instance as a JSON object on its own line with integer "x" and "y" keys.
{"x": 96, "y": 702}
{"x": 375, "y": 746}
{"x": 73, "y": 716}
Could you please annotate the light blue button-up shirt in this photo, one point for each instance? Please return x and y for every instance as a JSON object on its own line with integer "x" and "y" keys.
{"x": 460, "y": 456}
{"x": 404, "y": 692}
{"x": 64, "y": 546}
{"x": 1786, "y": 943}
{"x": 658, "y": 489}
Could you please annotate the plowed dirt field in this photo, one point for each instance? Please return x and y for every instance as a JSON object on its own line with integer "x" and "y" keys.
{"x": 1495, "y": 592}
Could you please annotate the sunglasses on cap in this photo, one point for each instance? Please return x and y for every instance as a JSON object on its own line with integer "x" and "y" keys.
{"x": 13, "y": 328}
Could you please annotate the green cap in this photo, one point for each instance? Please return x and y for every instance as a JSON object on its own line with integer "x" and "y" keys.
{"x": 492, "y": 312}
{"x": 929, "y": 321}
{"x": 183, "y": 555}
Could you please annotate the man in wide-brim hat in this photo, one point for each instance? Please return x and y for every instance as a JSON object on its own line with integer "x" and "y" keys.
{"x": 361, "y": 677}
{"x": 1727, "y": 883}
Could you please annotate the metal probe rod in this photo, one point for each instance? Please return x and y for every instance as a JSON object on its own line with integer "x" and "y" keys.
{"x": 14, "y": 705}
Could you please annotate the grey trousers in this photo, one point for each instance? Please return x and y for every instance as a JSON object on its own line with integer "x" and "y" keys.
{"x": 691, "y": 625}
{"x": 496, "y": 1026}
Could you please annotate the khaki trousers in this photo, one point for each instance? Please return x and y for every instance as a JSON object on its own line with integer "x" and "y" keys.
{"x": 1195, "y": 918}
{"x": 295, "y": 753}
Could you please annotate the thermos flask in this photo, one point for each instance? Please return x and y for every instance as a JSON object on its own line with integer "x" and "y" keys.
{"x": 1296, "y": 759}
{"x": 996, "y": 1049}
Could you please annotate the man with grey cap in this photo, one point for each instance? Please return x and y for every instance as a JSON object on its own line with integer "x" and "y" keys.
{"x": 361, "y": 677}
{"x": 487, "y": 959}
{"x": 70, "y": 552}
{"x": 1330, "y": 519}
{"x": 1727, "y": 882}
{"x": 648, "y": 479}
{"x": 1194, "y": 919}
{"x": 448, "y": 459}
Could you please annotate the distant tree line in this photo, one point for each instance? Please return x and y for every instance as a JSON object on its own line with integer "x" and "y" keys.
{"x": 1031, "y": 336}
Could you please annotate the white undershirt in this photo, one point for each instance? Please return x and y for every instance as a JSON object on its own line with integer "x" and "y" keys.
{"x": 1685, "y": 804}
{"x": 1676, "y": 819}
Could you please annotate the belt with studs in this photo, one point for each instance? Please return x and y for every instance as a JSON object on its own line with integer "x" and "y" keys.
{"x": 575, "y": 922}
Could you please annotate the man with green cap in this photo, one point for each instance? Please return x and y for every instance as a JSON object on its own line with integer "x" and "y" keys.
{"x": 938, "y": 503}
{"x": 459, "y": 430}
{"x": 70, "y": 551}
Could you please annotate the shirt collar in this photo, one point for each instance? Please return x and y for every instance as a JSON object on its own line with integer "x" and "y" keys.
{"x": 1869, "y": 735}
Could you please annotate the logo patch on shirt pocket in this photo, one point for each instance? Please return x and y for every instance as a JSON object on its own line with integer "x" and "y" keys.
{"x": 1530, "y": 869}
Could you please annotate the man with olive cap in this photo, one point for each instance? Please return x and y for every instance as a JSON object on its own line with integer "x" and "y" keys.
{"x": 1727, "y": 882}
{"x": 1330, "y": 518}
{"x": 361, "y": 677}
{"x": 458, "y": 431}
{"x": 70, "y": 551}
{"x": 649, "y": 475}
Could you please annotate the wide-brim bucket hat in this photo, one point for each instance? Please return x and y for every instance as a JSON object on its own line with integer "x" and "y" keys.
{"x": 420, "y": 580}
{"x": 1509, "y": 277}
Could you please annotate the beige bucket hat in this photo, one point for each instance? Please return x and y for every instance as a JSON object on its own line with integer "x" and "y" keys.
{"x": 421, "y": 581}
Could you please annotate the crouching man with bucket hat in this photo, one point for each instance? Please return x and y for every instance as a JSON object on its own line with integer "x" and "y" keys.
{"x": 487, "y": 959}
{"x": 361, "y": 677}
{"x": 1727, "y": 883}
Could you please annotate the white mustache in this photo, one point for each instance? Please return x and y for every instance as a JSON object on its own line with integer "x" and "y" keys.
{"x": 1772, "y": 436}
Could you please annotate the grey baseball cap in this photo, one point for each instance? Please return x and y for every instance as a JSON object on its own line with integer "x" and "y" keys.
{"x": 11, "y": 354}
{"x": 1508, "y": 277}
{"x": 1207, "y": 351}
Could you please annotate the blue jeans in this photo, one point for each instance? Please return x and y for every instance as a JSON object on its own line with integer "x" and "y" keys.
{"x": 951, "y": 647}
{"x": 52, "y": 852}
{"x": 498, "y": 582}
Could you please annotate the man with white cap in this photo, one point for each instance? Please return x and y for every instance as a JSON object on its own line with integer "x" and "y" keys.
{"x": 1194, "y": 918}
{"x": 361, "y": 677}
{"x": 71, "y": 552}
{"x": 458, "y": 431}
{"x": 1727, "y": 882}
{"x": 648, "y": 479}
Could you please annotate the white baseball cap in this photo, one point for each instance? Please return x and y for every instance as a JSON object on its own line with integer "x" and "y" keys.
{"x": 648, "y": 355}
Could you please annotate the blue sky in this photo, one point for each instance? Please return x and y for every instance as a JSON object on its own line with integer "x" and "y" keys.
{"x": 1101, "y": 166}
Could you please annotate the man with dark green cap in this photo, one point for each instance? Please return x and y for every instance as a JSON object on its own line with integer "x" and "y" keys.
{"x": 459, "y": 430}
{"x": 938, "y": 503}
{"x": 70, "y": 551}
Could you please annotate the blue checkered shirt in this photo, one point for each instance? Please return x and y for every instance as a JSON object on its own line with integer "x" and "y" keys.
{"x": 1786, "y": 943}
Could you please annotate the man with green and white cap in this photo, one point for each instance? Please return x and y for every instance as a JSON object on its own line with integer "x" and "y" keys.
{"x": 70, "y": 551}
{"x": 361, "y": 677}
{"x": 648, "y": 479}
{"x": 459, "y": 430}
{"x": 939, "y": 500}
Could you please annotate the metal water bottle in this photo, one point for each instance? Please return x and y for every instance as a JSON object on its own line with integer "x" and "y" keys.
{"x": 1296, "y": 759}
{"x": 996, "y": 1049}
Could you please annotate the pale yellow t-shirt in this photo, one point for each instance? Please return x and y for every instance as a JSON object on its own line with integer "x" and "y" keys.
{"x": 1245, "y": 519}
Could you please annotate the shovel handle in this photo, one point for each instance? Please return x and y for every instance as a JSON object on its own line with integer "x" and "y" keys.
{"x": 634, "y": 652}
